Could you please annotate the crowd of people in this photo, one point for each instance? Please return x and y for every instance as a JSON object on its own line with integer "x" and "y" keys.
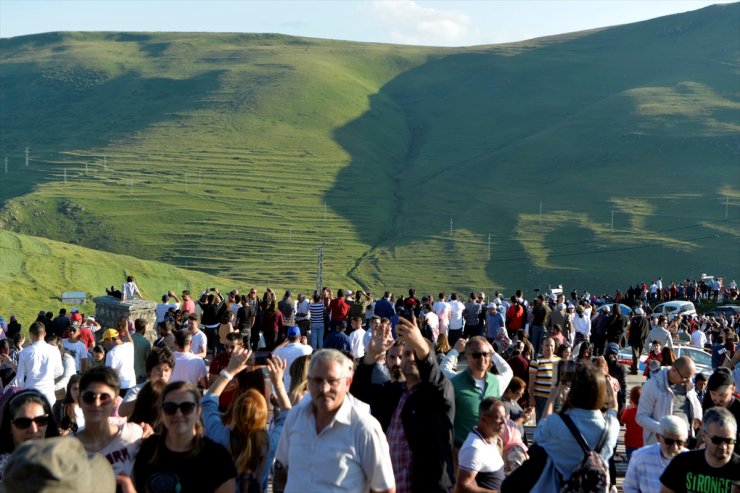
{"x": 345, "y": 392}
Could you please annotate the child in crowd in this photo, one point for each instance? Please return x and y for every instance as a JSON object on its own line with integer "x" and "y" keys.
{"x": 633, "y": 431}
{"x": 700, "y": 386}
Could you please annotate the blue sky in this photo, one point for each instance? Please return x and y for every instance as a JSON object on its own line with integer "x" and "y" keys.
{"x": 437, "y": 23}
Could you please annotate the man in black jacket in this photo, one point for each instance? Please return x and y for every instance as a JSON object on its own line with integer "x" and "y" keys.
{"x": 639, "y": 328}
{"x": 417, "y": 414}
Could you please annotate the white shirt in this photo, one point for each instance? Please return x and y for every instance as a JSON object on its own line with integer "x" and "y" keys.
{"x": 162, "y": 308}
{"x": 698, "y": 339}
{"x": 441, "y": 308}
{"x": 291, "y": 352}
{"x": 188, "y": 368}
{"x": 644, "y": 470}
{"x": 479, "y": 456}
{"x": 582, "y": 325}
{"x": 350, "y": 455}
{"x": 121, "y": 450}
{"x": 121, "y": 359}
{"x": 128, "y": 290}
{"x": 200, "y": 342}
{"x": 78, "y": 350}
{"x": 456, "y": 315}
{"x": 302, "y": 307}
{"x": 357, "y": 342}
{"x": 38, "y": 365}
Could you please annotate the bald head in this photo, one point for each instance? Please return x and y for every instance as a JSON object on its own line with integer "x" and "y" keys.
{"x": 685, "y": 365}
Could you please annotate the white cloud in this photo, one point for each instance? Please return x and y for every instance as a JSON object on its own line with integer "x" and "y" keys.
{"x": 410, "y": 23}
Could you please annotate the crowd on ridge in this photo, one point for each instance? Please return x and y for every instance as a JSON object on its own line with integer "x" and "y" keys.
{"x": 344, "y": 392}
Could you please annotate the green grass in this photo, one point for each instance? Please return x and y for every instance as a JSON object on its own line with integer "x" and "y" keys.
{"x": 35, "y": 272}
{"x": 223, "y": 149}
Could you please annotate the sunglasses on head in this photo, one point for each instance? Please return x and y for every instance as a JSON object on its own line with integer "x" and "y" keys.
{"x": 186, "y": 408}
{"x": 674, "y": 441}
{"x": 89, "y": 397}
{"x": 719, "y": 440}
{"x": 480, "y": 354}
{"x": 25, "y": 423}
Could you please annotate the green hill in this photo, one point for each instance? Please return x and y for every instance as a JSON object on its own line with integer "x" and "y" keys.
{"x": 35, "y": 271}
{"x": 240, "y": 154}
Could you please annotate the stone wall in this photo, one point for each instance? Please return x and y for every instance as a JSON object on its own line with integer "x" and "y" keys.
{"x": 108, "y": 310}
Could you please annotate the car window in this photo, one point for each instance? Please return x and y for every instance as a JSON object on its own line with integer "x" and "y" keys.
{"x": 699, "y": 357}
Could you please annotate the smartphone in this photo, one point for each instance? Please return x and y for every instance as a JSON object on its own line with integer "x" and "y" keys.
{"x": 259, "y": 358}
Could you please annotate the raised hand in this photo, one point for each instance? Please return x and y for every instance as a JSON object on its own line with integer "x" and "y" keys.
{"x": 238, "y": 361}
{"x": 380, "y": 343}
{"x": 276, "y": 368}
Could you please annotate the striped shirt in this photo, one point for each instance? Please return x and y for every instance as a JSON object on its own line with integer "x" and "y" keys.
{"x": 644, "y": 470}
{"x": 316, "y": 311}
{"x": 543, "y": 370}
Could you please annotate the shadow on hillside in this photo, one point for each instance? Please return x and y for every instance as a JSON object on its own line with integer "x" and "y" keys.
{"x": 484, "y": 135}
{"x": 85, "y": 110}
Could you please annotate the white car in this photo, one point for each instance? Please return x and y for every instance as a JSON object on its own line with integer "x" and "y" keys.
{"x": 702, "y": 359}
{"x": 673, "y": 308}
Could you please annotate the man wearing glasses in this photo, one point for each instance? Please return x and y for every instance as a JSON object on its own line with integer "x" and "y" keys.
{"x": 649, "y": 462}
{"x": 714, "y": 469}
{"x": 669, "y": 392}
{"x": 330, "y": 442}
{"x": 475, "y": 383}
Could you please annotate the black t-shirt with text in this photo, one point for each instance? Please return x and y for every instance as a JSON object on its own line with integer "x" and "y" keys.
{"x": 690, "y": 473}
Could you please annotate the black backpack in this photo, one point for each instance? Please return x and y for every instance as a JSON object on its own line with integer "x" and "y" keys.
{"x": 591, "y": 475}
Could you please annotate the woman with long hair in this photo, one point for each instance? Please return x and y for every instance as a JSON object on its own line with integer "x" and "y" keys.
{"x": 317, "y": 312}
{"x": 271, "y": 322}
{"x": 584, "y": 353}
{"x": 25, "y": 416}
{"x": 252, "y": 448}
{"x": 68, "y": 412}
{"x": 299, "y": 378}
{"x": 181, "y": 458}
{"x": 145, "y": 406}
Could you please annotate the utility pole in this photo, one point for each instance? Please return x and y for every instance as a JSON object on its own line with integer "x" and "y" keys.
{"x": 65, "y": 175}
{"x": 26, "y": 157}
{"x": 489, "y": 246}
{"x": 540, "y": 212}
{"x": 727, "y": 199}
{"x": 450, "y": 227}
{"x": 320, "y": 269}
{"x": 612, "y": 220}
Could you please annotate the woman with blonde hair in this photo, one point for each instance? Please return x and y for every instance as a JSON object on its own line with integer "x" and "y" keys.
{"x": 299, "y": 378}
{"x": 252, "y": 448}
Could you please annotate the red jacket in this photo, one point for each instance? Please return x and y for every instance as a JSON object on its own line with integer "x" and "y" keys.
{"x": 339, "y": 309}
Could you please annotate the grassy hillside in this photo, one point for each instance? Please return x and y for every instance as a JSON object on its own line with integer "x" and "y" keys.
{"x": 35, "y": 271}
{"x": 239, "y": 154}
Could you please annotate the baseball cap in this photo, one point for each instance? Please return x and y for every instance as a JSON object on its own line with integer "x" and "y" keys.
{"x": 720, "y": 378}
{"x": 75, "y": 309}
{"x": 639, "y": 311}
{"x": 110, "y": 334}
{"x": 57, "y": 465}
{"x": 294, "y": 331}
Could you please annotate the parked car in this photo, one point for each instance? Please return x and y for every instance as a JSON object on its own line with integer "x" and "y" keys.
{"x": 626, "y": 311}
{"x": 726, "y": 310}
{"x": 673, "y": 308}
{"x": 702, "y": 359}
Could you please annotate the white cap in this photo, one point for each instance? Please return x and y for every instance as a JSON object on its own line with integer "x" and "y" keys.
{"x": 561, "y": 306}
{"x": 639, "y": 311}
{"x": 607, "y": 309}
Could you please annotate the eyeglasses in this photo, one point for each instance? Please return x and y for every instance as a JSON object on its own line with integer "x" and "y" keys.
{"x": 719, "y": 440}
{"x": 683, "y": 379}
{"x": 186, "y": 408}
{"x": 674, "y": 441}
{"x": 90, "y": 397}
{"x": 319, "y": 382}
{"x": 25, "y": 423}
{"x": 481, "y": 354}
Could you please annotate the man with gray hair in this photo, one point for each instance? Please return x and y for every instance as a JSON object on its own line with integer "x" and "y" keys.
{"x": 648, "y": 463}
{"x": 712, "y": 470}
{"x": 330, "y": 442}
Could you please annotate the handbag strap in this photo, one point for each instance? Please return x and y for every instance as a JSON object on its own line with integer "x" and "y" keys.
{"x": 579, "y": 437}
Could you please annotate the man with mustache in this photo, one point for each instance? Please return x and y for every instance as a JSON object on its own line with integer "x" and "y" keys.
{"x": 416, "y": 408}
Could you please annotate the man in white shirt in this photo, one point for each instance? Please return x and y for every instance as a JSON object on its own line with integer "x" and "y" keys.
{"x": 357, "y": 337}
{"x": 698, "y": 338}
{"x": 162, "y": 308}
{"x": 120, "y": 357}
{"x": 331, "y": 421}
{"x": 442, "y": 309}
{"x": 199, "y": 341}
{"x": 456, "y": 319}
{"x": 302, "y": 316}
{"x": 292, "y": 351}
{"x": 188, "y": 367}
{"x": 39, "y": 364}
{"x": 75, "y": 347}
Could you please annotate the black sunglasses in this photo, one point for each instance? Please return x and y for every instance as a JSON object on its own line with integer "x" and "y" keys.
{"x": 674, "y": 441}
{"x": 89, "y": 397}
{"x": 479, "y": 355}
{"x": 719, "y": 440}
{"x": 186, "y": 408}
{"x": 25, "y": 423}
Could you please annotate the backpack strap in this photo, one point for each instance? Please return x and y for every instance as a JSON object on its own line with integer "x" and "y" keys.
{"x": 579, "y": 437}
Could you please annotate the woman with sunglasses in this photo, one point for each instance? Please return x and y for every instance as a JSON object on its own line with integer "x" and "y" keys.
{"x": 104, "y": 435}
{"x": 181, "y": 458}
{"x": 252, "y": 447}
{"x": 26, "y": 416}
